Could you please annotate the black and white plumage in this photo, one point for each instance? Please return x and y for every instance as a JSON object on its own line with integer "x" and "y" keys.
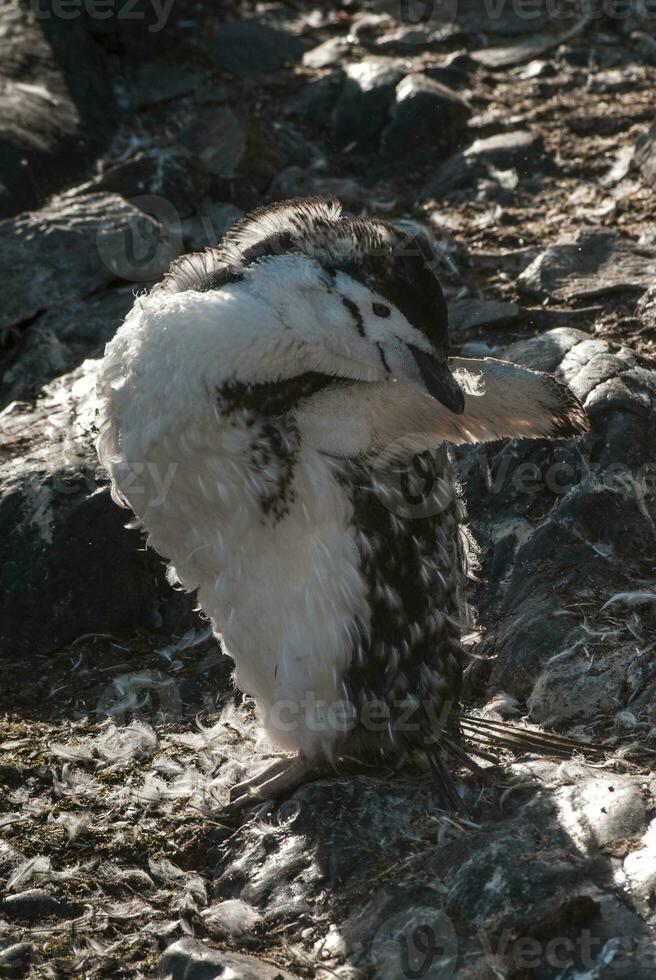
{"x": 276, "y": 414}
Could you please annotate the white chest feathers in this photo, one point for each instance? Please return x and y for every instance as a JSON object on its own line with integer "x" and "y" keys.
{"x": 259, "y": 525}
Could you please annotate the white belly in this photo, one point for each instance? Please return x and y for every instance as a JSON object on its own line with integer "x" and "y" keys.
{"x": 283, "y": 593}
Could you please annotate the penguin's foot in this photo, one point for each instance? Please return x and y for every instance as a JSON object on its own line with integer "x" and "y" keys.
{"x": 281, "y": 776}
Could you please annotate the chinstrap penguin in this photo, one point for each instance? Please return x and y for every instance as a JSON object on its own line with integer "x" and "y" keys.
{"x": 292, "y": 393}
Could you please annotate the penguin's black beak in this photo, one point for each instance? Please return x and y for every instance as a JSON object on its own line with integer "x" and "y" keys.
{"x": 439, "y": 381}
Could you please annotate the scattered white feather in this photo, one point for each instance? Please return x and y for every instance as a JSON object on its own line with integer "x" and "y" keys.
{"x": 129, "y": 694}
{"x": 122, "y": 746}
{"x": 76, "y": 824}
{"x": 35, "y": 869}
{"x": 75, "y": 751}
{"x": 503, "y": 704}
{"x": 118, "y": 746}
{"x": 471, "y": 382}
{"x": 637, "y": 598}
{"x": 74, "y": 783}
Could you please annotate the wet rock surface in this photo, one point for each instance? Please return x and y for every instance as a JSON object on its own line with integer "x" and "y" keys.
{"x": 523, "y": 148}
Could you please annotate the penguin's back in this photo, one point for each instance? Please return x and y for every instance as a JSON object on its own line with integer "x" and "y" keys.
{"x": 405, "y": 669}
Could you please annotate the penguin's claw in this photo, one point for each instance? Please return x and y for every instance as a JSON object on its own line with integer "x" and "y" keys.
{"x": 281, "y": 776}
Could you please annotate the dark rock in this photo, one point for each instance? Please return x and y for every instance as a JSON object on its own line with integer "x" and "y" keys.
{"x": 571, "y": 689}
{"x": 160, "y": 182}
{"x": 617, "y": 80}
{"x": 264, "y": 158}
{"x": 510, "y": 261}
{"x": 57, "y": 341}
{"x": 217, "y": 140}
{"x": 297, "y": 182}
{"x": 518, "y": 149}
{"x": 448, "y": 73}
{"x": 316, "y": 100}
{"x": 367, "y": 27}
{"x": 233, "y": 157}
{"x": 645, "y": 47}
{"x": 525, "y": 49}
{"x": 646, "y": 156}
{"x": 345, "y": 820}
{"x": 154, "y": 82}
{"x": 189, "y": 959}
{"x": 552, "y": 317}
{"x": 409, "y": 39}
{"x": 73, "y": 247}
{"x": 574, "y": 57}
{"x": 544, "y": 353}
{"x": 486, "y": 897}
{"x": 426, "y": 118}
{"x": 295, "y": 148}
{"x": 543, "y": 870}
{"x": 595, "y": 124}
{"x": 646, "y": 308}
{"x": 410, "y": 27}
{"x": 56, "y": 105}
{"x": 367, "y": 93}
{"x": 68, "y": 566}
{"x": 467, "y": 313}
{"x": 141, "y": 32}
{"x": 209, "y": 223}
{"x": 249, "y": 48}
{"x": 378, "y": 935}
{"x": 14, "y": 959}
{"x": 498, "y": 187}
{"x": 522, "y": 645}
{"x": 506, "y": 20}
{"x": 592, "y": 262}
{"x": 641, "y": 682}
{"x": 36, "y": 904}
{"x": 510, "y": 54}
{"x": 562, "y": 520}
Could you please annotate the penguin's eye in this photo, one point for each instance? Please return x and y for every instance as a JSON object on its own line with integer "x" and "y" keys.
{"x": 380, "y": 309}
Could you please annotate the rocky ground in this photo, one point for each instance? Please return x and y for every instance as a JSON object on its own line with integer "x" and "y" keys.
{"x": 526, "y": 147}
